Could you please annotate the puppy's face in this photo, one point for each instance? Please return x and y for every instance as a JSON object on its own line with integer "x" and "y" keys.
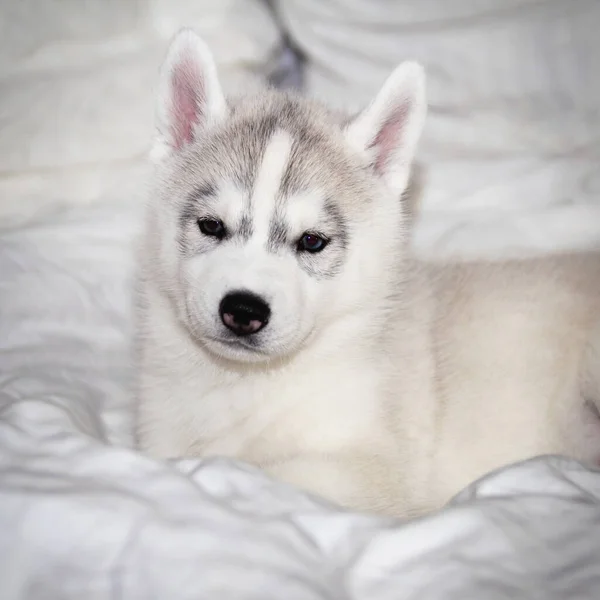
{"x": 271, "y": 220}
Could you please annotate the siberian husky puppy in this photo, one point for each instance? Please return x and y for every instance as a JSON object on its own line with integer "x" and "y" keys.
{"x": 282, "y": 321}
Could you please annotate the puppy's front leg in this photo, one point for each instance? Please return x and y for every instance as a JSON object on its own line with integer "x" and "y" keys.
{"x": 358, "y": 481}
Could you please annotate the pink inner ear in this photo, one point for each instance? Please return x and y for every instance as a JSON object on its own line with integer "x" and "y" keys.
{"x": 389, "y": 138}
{"x": 188, "y": 101}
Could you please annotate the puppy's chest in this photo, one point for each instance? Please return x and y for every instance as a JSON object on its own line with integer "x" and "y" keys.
{"x": 262, "y": 419}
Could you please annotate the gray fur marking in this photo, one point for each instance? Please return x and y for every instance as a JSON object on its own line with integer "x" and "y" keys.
{"x": 246, "y": 228}
{"x": 197, "y": 202}
{"x": 198, "y": 199}
{"x": 278, "y": 234}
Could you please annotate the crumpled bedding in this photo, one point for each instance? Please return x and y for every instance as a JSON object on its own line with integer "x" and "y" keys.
{"x": 82, "y": 515}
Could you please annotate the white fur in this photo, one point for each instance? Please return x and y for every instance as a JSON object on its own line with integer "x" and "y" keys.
{"x": 270, "y": 174}
{"x": 387, "y": 385}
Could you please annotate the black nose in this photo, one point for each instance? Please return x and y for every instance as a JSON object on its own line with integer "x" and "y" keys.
{"x": 244, "y": 313}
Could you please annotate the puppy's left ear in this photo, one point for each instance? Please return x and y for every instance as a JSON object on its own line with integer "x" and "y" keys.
{"x": 190, "y": 99}
{"x": 389, "y": 129}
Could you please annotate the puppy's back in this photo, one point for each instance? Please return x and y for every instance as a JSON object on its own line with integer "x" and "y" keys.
{"x": 511, "y": 343}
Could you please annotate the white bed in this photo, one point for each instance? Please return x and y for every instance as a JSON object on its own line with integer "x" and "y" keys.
{"x": 82, "y": 515}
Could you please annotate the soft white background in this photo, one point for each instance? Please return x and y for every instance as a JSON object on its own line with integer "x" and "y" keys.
{"x": 510, "y": 154}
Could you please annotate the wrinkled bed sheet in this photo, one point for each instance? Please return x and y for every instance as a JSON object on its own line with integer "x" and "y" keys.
{"x": 84, "y": 516}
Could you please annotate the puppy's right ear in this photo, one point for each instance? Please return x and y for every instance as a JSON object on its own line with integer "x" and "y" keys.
{"x": 389, "y": 129}
{"x": 190, "y": 98}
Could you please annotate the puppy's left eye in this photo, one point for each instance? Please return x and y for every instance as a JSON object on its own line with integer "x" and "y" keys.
{"x": 212, "y": 227}
{"x": 311, "y": 242}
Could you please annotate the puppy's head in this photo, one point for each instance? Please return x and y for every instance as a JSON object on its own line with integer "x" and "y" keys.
{"x": 272, "y": 218}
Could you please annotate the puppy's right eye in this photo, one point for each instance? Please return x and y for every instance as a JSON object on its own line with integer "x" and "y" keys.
{"x": 311, "y": 242}
{"x": 212, "y": 227}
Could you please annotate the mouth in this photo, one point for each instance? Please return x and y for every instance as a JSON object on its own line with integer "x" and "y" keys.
{"x": 235, "y": 347}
